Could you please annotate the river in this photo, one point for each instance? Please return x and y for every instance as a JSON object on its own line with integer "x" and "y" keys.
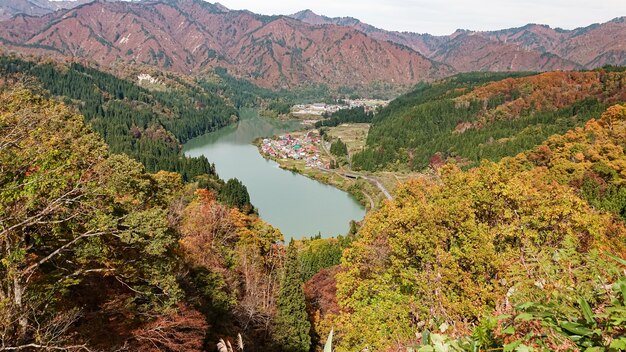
{"x": 293, "y": 203}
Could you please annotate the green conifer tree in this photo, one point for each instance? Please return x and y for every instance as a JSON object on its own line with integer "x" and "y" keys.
{"x": 292, "y": 323}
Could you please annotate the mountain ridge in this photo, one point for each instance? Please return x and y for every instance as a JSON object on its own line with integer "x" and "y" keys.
{"x": 11, "y": 8}
{"x": 193, "y": 36}
{"x": 287, "y": 51}
{"x": 581, "y": 47}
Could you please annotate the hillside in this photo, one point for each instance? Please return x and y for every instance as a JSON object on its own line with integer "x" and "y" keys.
{"x": 497, "y": 197}
{"x": 469, "y": 51}
{"x": 471, "y": 117}
{"x": 147, "y": 125}
{"x": 515, "y": 253}
{"x": 192, "y": 36}
{"x": 505, "y": 253}
{"x": 529, "y": 48}
{"x": 99, "y": 254}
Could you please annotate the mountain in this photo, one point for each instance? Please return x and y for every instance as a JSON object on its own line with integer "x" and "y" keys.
{"x": 483, "y": 115}
{"x": 592, "y": 46}
{"x": 10, "y": 8}
{"x": 425, "y": 44}
{"x": 468, "y": 51}
{"x": 194, "y": 36}
{"x": 532, "y": 47}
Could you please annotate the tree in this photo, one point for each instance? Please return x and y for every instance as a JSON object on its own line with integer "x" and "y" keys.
{"x": 489, "y": 239}
{"x": 292, "y": 323}
{"x": 235, "y": 194}
{"x": 235, "y": 263}
{"x": 475, "y": 116}
{"x": 69, "y": 212}
{"x": 317, "y": 254}
{"x": 339, "y": 148}
{"x": 148, "y": 126}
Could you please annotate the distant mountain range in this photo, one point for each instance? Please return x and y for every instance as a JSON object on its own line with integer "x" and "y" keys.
{"x": 532, "y": 47}
{"x": 193, "y": 36}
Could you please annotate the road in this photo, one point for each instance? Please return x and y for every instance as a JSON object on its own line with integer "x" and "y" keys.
{"x": 369, "y": 178}
{"x": 379, "y": 185}
{"x": 354, "y": 176}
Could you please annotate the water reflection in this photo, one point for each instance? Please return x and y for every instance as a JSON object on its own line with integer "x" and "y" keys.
{"x": 295, "y": 204}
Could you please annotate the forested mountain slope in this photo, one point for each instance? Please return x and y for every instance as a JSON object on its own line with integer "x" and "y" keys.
{"x": 99, "y": 255}
{"x": 475, "y": 116}
{"x": 528, "y": 251}
{"x": 147, "y": 125}
{"x": 194, "y": 36}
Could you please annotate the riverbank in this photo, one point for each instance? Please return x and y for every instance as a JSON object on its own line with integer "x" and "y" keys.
{"x": 297, "y": 205}
{"x": 306, "y": 153}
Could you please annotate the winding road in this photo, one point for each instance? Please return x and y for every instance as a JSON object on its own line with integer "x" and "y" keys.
{"x": 355, "y": 176}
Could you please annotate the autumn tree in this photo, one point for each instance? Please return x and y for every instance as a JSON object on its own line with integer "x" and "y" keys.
{"x": 468, "y": 243}
{"x": 68, "y": 212}
{"x": 235, "y": 261}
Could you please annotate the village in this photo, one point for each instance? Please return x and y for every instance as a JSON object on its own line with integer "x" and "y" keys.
{"x": 297, "y": 147}
{"x": 321, "y": 109}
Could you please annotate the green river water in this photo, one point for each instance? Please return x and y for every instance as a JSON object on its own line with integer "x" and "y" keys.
{"x": 295, "y": 204}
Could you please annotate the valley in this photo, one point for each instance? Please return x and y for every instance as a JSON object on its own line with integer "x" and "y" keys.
{"x": 181, "y": 176}
{"x": 307, "y": 153}
{"x": 288, "y": 201}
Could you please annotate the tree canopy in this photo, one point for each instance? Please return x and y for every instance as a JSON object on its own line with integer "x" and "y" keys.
{"x": 99, "y": 254}
{"x": 292, "y": 322}
{"x": 146, "y": 125}
{"x": 475, "y": 116}
{"x": 455, "y": 249}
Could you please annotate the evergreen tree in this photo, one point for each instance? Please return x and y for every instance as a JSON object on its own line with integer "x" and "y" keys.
{"x": 339, "y": 148}
{"x": 122, "y": 113}
{"x": 292, "y": 323}
{"x": 354, "y": 115}
{"x": 235, "y": 194}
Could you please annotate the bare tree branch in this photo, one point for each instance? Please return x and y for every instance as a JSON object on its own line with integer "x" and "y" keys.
{"x": 60, "y": 249}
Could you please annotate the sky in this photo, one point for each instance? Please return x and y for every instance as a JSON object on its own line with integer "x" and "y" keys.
{"x": 445, "y": 16}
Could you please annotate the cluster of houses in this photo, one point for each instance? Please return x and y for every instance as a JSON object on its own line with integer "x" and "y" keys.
{"x": 319, "y": 109}
{"x": 297, "y": 148}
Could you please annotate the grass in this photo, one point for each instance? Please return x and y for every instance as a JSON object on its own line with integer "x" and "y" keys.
{"x": 353, "y": 135}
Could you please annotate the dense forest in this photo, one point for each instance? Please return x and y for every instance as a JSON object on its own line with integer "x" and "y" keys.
{"x": 339, "y": 148}
{"x": 354, "y": 115}
{"x": 476, "y": 116}
{"x": 528, "y": 252}
{"x": 243, "y": 93}
{"x": 99, "y": 255}
{"x": 149, "y": 126}
{"x": 101, "y": 252}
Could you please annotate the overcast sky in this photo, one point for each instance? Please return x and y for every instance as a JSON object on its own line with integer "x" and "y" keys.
{"x": 445, "y": 16}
